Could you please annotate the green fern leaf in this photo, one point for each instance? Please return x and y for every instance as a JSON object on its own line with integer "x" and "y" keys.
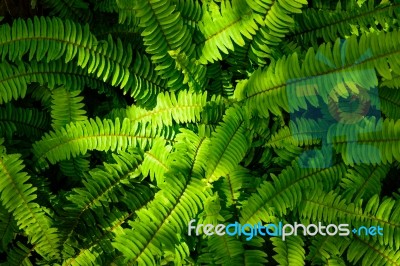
{"x": 363, "y": 181}
{"x": 8, "y": 228}
{"x": 155, "y": 163}
{"x": 40, "y": 39}
{"x": 22, "y": 121}
{"x": 180, "y": 198}
{"x": 18, "y": 197}
{"x": 79, "y": 137}
{"x": 227, "y": 145}
{"x": 222, "y": 28}
{"x": 330, "y": 207}
{"x": 163, "y": 31}
{"x": 390, "y": 102}
{"x": 289, "y": 252}
{"x": 66, "y": 108}
{"x": 76, "y": 10}
{"x": 285, "y": 85}
{"x": 286, "y": 190}
{"x": 20, "y": 255}
{"x": 329, "y": 25}
{"x": 379, "y": 139}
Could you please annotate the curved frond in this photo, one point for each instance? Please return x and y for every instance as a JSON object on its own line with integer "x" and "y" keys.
{"x": 372, "y": 253}
{"x": 287, "y": 190}
{"x": 182, "y": 107}
{"x": 181, "y": 196}
{"x": 22, "y": 121}
{"x": 155, "y": 163}
{"x": 163, "y": 31}
{"x": 8, "y": 228}
{"x": 66, "y": 107}
{"x": 331, "y": 207}
{"x": 52, "y": 38}
{"x": 289, "y": 252}
{"x": 102, "y": 188}
{"x": 369, "y": 141}
{"x": 77, "y": 10}
{"x": 326, "y": 248}
{"x": 390, "y": 102}
{"x": 329, "y": 25}
{"x": 79, "y": 137}
{"x": 299, "y": 132}
{"x": 277, "y": 22}
{"x": 19, "y": 255}
{"x": 194, "y": 73}
{"x": 18, "y": 197}
{"x": 221, "y": 27}
{"x": 228, "y": 144}
{"x": 285, "y": 85}
{"x": 363, "y": 182}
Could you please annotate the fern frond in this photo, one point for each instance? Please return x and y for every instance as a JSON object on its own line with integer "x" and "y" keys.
{"x": 98, "y": 249}
{"x": 104, "y": 184}
{"x": 19, "y": 255}
{"x": 390, "y": 102}
{"x": 18, "y": 197}
{"x": 52, "y": 38}
{"x": 331, "y": 207}
{"x": 286, "y": 190}
{"x": 182, "y": 107}
{"x": 277, "y": 22}
{"x": 289, "y": 252}
{"x": 363, "y": 182}
{"x": 144, "y": 84}
{"x": 392, "y": 83}
{"x": 22, "y": 121}
{"x": 212, "y": 211}
{"x": 182, "y": 194}
{"x": 329, "y": 25}
{"x": 224, "y": 250}
{"x": 41, "y": 94}
{"x": 155, "y": 163}
{"x": 180, "y": 256}
{"x": 191, "y": 12}
{"x": 299, "y": 132}
{"x": 75, "y": 167}
{"x": 285, "y": 85}
{"x": 370, "y": 141}
{"x": 194, "y": 73}
{"x": 324, "y": 248}
{"x": 79, "y": 137}
{"x": 372, "y": 253}
{"x": 219, "y": 80}
{"x": 8, "y": 228}
{"x": 163, "y": 31}
{"x": 14, "y": 80}
{"x": 285, "y": 155}
{"x": 103, "y": 187}
{"x": 67, "y": 107}
{"x": 232, "y": 187}
{"x": 228, "y": 144}
{"x": 127, "y": 34}
{"x": 77, "y": 10}
{"x": 106, "y": 6}
{"x": 223, "y": 27}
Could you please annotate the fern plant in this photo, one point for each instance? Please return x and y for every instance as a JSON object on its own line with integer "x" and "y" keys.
{"x": 122, "y": 121}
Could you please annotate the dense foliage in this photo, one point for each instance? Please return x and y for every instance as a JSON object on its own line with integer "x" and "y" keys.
{"x": 122, "y": 120}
